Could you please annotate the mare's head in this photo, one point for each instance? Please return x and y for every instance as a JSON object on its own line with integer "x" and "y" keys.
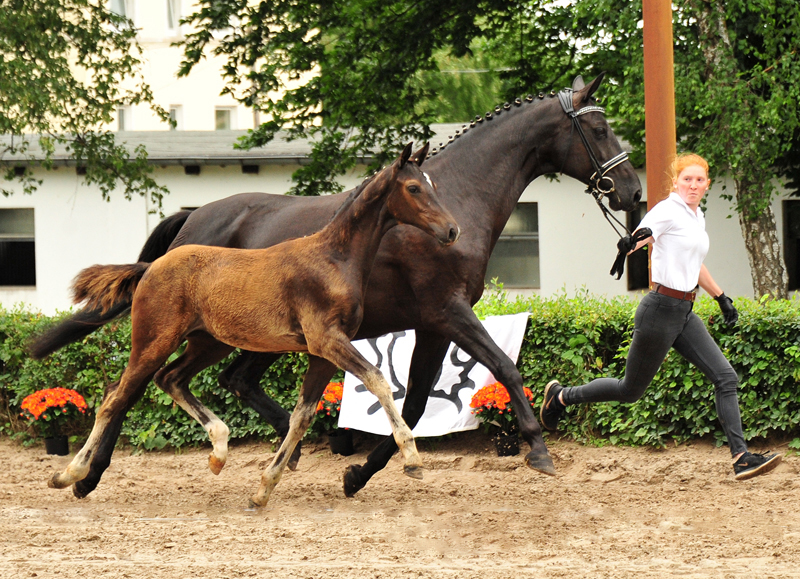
{"x": 600, "y": 161}
{"x": 411, "y": 197}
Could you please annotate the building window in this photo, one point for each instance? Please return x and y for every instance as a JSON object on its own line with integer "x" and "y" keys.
{"x": 176, "y": 116}
{"x": 173, "y": 16}
{"x": 791, "y": 242}
{"x": 638, "y": 273}
{"x": 122, "y": 8}
{"x": 224, "y": 119}
{"x": 124, "y": 119}
{"x": 515, "y": 259}
{"x": 17, "y": 248}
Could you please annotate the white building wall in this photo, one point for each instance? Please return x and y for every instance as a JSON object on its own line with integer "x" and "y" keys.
{"x": 75, "y": 228}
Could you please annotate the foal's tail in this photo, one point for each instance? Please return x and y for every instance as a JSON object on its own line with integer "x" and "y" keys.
{"x": 79, "y": 325}
{"x": 104, "y": 286}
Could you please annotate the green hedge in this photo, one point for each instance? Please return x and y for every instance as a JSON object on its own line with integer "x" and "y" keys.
{"x": 572, "y": 339}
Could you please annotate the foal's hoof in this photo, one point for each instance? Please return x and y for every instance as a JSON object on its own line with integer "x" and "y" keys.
{"x": 352, "y": 480}
{"x": 80, "y": 491}
{"x": 413, "y": 472}
{"x": 55, "y": 482}
{"x": 215, "y": 464}
{"x": 541, "y": 462}
{"x": 252, "y": 504}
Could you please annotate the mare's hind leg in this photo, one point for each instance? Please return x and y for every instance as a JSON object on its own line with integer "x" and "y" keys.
{"x": 242, "y": 378}
{"x": 201, "y": 352}
{"x": 317, "y": 376}
{"x": 429, "y": 351}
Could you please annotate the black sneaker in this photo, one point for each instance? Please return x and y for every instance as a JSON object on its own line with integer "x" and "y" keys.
{"x": 552, "y": 409}
{"x": 753, "y": 464}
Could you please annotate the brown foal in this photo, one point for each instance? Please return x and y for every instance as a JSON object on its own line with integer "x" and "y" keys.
{"x": 303, "y": 295}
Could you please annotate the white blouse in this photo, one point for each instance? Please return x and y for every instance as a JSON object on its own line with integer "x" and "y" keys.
{"x": 680, "y": 243}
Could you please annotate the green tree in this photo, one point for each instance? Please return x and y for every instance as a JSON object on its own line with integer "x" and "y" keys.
{"x": 736, "y": 86}
{"x": 363, "y": 75}
{"x": 64, "y": 66}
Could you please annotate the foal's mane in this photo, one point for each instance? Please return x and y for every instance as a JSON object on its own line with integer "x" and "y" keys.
{"x": 354, "y": 194}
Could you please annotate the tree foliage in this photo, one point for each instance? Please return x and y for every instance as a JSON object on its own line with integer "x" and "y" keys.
{"x": 365, "y": 75}
{"x": 66, "y": 66}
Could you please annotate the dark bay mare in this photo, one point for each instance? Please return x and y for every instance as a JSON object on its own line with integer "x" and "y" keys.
{"x": 480, "y": 175}
{"x": 302, "y": 295}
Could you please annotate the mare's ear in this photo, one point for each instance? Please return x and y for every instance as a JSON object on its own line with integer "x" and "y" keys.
{"x": 405, "y": 155}
{"x": 585, "y": 92}
{"x": 420, "y": 156}
{"x": 578, "y": 83}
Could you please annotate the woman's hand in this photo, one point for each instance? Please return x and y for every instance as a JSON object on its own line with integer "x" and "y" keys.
{"x": 729, "y": 312}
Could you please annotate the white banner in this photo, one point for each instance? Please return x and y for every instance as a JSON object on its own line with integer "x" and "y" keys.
{"x": 448, "y": 405}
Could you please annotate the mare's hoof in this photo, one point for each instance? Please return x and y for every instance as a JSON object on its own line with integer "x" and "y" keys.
{"x": 215, "y": 464}
{"x": 413, "y": 472}
{"x": 80, "y": 492}
{"x": 352, "y": 480}
{"x": 541, "y": 462}
{"x": 295, "y": 458}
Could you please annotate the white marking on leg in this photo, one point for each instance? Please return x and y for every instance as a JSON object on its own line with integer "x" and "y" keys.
{"x": 298, "y": 424}
{"x": 377, "y": 384}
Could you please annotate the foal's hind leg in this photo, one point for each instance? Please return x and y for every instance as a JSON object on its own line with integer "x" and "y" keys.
{"x": 201, "y": 352}
{"x": 118, "y": 400}
{"x": 242, "y": 378}
{"x": 319, "y": 372}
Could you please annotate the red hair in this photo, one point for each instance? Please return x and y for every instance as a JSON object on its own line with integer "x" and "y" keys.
{"x": 686, "y": 160}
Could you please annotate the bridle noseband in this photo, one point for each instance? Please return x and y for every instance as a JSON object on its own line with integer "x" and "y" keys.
{"x": 600, "y": 171}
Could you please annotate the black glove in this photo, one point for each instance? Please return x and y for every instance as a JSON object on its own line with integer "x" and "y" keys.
{"x": 624, "y": 247}
{"x": 728, "y": 311}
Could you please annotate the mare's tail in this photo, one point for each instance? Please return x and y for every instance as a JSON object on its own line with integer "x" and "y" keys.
{"x": 81, "y": 324}
{"x": 104, "y": 286}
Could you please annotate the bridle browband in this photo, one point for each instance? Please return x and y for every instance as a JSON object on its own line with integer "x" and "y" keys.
{"x": 600, "y": 171}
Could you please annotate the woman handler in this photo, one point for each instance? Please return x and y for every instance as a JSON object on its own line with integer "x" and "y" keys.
{"x": 665, "y": 319}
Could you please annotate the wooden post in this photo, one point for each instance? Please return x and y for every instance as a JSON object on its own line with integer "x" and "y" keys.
{"x": 659, "y": 97}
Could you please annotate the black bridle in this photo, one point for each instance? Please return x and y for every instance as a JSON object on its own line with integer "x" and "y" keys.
{"x": 600, "y": 171}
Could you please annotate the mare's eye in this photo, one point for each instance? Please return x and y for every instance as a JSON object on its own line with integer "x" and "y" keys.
{"x": 599, "y": 132}
{"x": 413, "y": 189}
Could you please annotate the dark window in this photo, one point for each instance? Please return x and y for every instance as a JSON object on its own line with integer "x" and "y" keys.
{"x": 791, "y": 242}
{"x": 638, "y": 275}
{"x": 515, "y": 259}
{"x": 17, "y": 247}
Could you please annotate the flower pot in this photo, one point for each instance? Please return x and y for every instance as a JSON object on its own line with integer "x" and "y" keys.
{"x": 58, "y": 445}
{"x": 506, "y": 444}
{"x": 341, "y": 441}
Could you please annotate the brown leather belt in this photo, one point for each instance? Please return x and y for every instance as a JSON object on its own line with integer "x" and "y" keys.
{"x": 673, "y": 293}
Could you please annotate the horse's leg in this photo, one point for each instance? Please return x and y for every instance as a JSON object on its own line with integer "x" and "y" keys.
{"x": 341, "y": 352}
{"x": 242, "y": 378}
{"x": 201, "y": 352}
{"x": 319, "y": 372}
{"x": 118, "y": 400}
{"x": 429, "y": 351}
{"x": 464, "y": 328}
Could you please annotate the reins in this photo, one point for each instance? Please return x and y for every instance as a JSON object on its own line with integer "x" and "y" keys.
{"x": 600, "y": 171}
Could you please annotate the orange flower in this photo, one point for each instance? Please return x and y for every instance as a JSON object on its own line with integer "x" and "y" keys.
{"x": 492, "y": 405}
{"x": 38, "y": 404}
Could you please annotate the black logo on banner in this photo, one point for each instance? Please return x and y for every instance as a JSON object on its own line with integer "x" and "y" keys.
{"x": 464, "y": 381}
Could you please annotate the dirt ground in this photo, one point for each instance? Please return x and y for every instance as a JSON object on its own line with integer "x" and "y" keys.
{"x": 610, "y": 512}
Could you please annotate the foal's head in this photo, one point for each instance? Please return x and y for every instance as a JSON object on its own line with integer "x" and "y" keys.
{"x": 411, "y": 197}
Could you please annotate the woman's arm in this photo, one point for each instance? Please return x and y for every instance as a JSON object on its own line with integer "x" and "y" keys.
{"x": 707, "y": 283}
{"x": 642, "y": 243}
